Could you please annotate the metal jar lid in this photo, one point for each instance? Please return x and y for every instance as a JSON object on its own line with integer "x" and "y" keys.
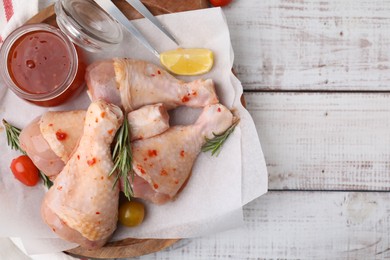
{"x": 87, "y": 25}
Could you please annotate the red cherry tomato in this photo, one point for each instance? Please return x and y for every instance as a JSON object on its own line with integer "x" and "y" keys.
{"x": 24, "y": 170}
{"x": 220, "y": 2}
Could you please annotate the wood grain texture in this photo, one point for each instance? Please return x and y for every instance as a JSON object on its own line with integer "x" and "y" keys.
{"x": 299, "y": 225}
{"x": 324, "y": 141}
{"x": 125, "y": 248}
{"x": 156, "y": 7}
{"x": 312, "y": 141}
{"x": 311, "y": 45}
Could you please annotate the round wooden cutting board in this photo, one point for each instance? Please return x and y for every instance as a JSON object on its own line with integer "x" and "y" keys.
{"x": 128, "y": 247}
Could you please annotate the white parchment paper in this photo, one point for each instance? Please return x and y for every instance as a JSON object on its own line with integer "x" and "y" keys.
{"x": 219, "y": 186}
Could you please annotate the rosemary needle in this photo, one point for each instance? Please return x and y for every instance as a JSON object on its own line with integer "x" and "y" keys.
{"x": 122, "y": 157}
{"x": 13, "y": 133}
{"x": 215, "y": 144}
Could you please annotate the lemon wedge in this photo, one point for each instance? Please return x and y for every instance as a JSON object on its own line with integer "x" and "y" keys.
{"x": 188, "y": 62}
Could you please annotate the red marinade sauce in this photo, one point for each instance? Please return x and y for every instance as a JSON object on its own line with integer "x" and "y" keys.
{"x": 38, "y": 62}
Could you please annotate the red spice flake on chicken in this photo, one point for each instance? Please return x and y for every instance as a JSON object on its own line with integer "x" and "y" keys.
{"x": 110, "y": 131}
{"x": 97, "y": 213}
{"x": 155, "y": 186}
{"x": 59, "y": 188}
{"x": 50, "y": 124}
{"x": 61, "y": 136}
{"x": 194, "y": 93}
{"x": 92, "y": 161}
{"x": 103, "y": 114}
{"x": 139, "y": 167}
{"x": 163, "y": 172}
{"x": 182, "y": 153}
{"x": 185, "y": 99}
{"x": 78, "y": 157}
{"x": 219, "y": 109}
{"x": 152, "y": 153}
{"x": 159, "y": 72}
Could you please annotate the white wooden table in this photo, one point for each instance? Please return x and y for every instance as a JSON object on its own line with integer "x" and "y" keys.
{"x": 317, "y": 81}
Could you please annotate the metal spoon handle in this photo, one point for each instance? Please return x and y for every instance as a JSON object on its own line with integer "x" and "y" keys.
{"x": 112, "y": 10}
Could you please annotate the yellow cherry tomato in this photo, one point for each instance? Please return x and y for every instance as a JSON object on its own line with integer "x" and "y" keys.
{"x": 131, "y": 213}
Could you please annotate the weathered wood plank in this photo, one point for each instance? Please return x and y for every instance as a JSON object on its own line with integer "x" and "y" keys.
{"x": 300, "y": 225}
{"x": 311, "y": 45}
{"x": 323, "y": 141}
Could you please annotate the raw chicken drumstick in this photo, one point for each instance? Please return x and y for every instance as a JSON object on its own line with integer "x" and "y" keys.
{"x": 82, "y": 204}
{"x": 163, "y": 163}
{"x": 132, "y": 84}
{"x": 148, "y": 121}
{"x": 50, "y": 139}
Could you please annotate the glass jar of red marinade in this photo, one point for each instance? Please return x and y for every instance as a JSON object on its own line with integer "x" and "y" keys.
{"x": 40, "y": 62}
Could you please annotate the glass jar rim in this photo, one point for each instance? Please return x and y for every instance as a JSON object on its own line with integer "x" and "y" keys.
{"x": 88, "y": 25}
{"x": 4, "y": 53}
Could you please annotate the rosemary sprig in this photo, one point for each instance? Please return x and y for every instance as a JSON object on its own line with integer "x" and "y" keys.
{"x": 215, "y": 144}
{"x": 13, "y": 133}
{"x": 122, "y": 157}
{"x": 46, "y": 181}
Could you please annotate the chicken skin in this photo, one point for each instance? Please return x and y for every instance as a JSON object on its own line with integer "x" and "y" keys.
{"x": 50, "y": 139}
{"x": 62, "y": 131}
{"x": 39, "y": 151}
{"x": 148, "y": 121}
{"x": 82, "y": 204}
{"x": 132, "y": 84}
{"x": 163, "y": 163}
